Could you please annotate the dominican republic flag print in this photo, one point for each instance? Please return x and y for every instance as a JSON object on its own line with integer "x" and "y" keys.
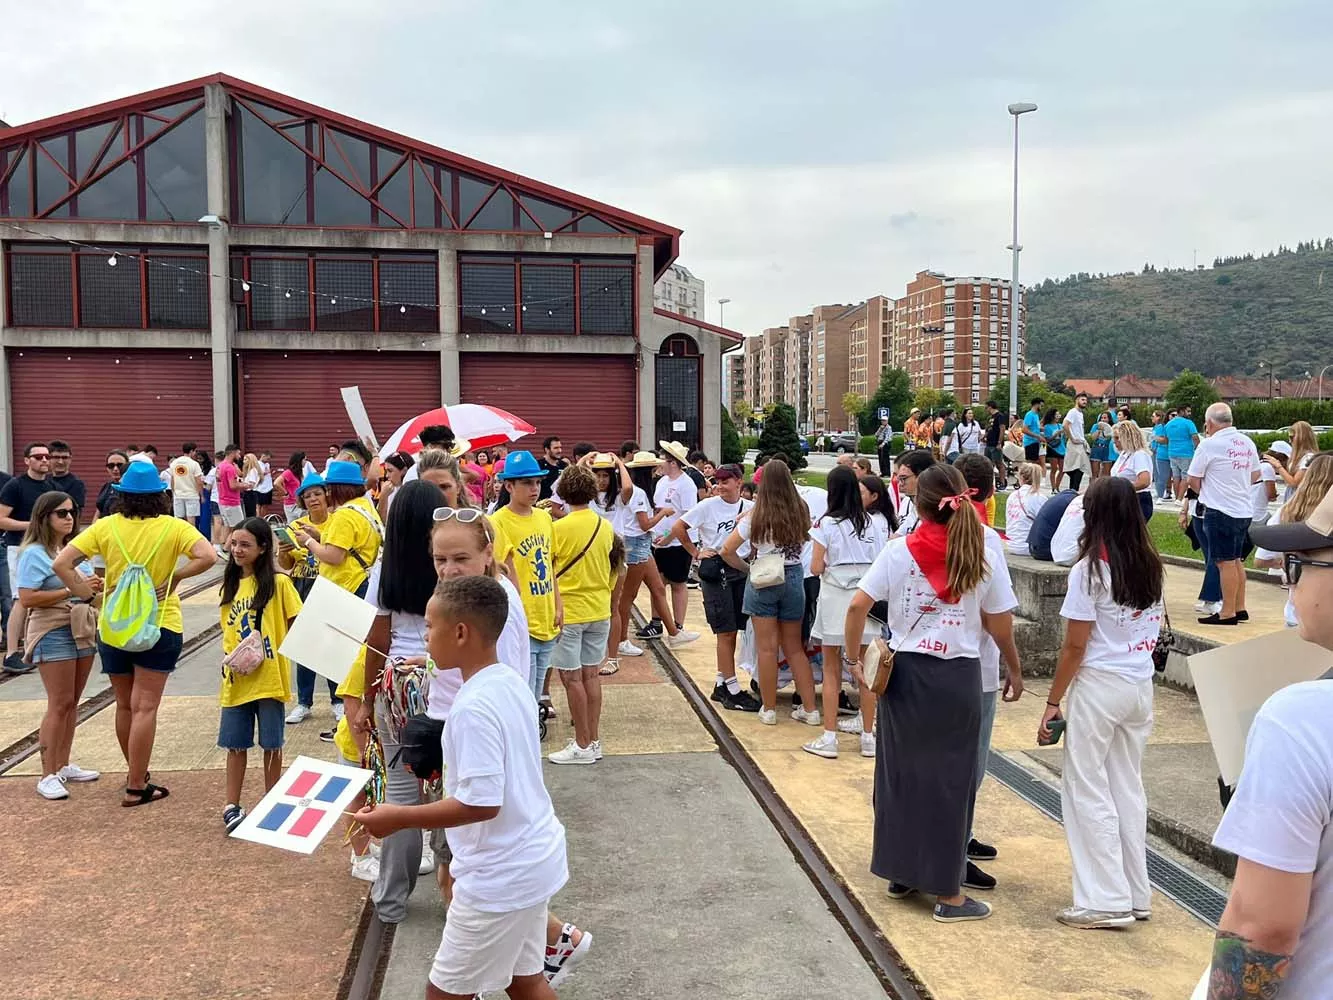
{"x": 303, "y": 806}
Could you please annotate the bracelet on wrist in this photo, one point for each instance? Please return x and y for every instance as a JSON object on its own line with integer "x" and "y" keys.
{"x": 1052, "y": 704}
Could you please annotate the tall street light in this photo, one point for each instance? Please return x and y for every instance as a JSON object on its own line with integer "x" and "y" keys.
{"x": 1321, "y": 381}
{"x": 722, "y": 311}
{"x": 1016, "y": 110}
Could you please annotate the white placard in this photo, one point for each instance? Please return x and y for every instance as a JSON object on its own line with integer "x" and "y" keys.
{"x": 677, "y": 425}
{"x": 303, "y": 806}
{"x": 1232, "y": 683}
{"x": 328, "y": 635}
{"x": 356, "y": 410}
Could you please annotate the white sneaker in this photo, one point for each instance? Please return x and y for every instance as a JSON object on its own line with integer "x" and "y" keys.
{"x": 427, "y": 862}
{"x": 366, "y": 867}
{"x": 628, "y": 648}
{"x": 298, "y": 714}
{"x": 52, "y": 787}
{"x": 1094, "y": 920}
{"x": 868, "y": 744}
{"x": 574, "y": 754}
{"x": 1208, "y": 607}
{"x": 72, "y": 772}
{"x": 338, "y": 713}
{"x": 809, "y": 718}
{"x": 596, "y": 747}
{"x": 768, "y": 716}
{"x": 824, "y": 745}
{"x": 851, "y": 724}
{"x": 681, "y": 638}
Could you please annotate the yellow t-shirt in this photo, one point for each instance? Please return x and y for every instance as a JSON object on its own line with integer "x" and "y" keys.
{"x": 585, "y": 588}
{"x": 354, "y": 684}
{"x": 304, "y": 563}
{"x": 350, "y": 530}
{"x": 345, "y": 741}
{"x": 530, "y": 541}
{"x": 273, "y": 678}
{"x": 138, "y": 537}
{"x": 990, "y": 510}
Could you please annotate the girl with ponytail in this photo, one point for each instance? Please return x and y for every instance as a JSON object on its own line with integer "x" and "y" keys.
{"x": 943, "y": 590}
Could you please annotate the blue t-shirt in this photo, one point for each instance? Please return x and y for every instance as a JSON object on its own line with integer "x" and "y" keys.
{"x": 34, "y": 570}
{"x": 1031, "y": 428}
{"x": 1055, "y": 440}
{"x": 1179, "y": 433}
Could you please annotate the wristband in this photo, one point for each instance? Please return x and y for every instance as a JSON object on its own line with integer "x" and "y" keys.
{"x": 1052, "y": 704}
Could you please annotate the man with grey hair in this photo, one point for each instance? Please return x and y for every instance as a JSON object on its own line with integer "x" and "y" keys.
{"x": 1222, "y": 472}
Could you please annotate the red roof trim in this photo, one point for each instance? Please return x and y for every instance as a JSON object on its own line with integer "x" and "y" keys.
{"x": 721, "y": 331}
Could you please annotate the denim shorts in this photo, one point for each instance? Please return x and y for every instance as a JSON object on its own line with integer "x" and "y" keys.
{"x": 785, "y": 601}
{"x": 162, "y": 656}
{"x": 236, "y": 728}
{"x": 57, "y": 645}
{"x": 1180, "y": 467}
{"x": 1227, "y": 535}
{"x": 638, "y": 549}
{"x": 539, "y": 653}
{"x": 581, "y": 645}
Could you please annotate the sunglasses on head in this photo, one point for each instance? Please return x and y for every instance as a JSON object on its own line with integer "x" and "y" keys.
{"x": 1293, "y": 562}
{"x": 463, "y": 515}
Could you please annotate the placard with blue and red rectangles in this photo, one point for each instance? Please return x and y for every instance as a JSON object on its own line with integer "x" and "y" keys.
{"x": 303, "y": 806}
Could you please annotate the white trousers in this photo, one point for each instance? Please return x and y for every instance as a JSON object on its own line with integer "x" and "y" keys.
{"x": 1105, "y": 807}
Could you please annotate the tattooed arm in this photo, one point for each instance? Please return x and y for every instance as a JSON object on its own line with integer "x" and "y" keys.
{"x": 1258, "y": 933}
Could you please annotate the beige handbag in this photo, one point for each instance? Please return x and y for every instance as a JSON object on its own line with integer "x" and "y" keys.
{"x": 768, "y": 570}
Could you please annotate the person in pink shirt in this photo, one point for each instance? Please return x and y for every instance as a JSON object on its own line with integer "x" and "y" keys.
{"x": 476, "y": 487}
{"x": 229, "y": 494}
{"x": 291, "y": 485}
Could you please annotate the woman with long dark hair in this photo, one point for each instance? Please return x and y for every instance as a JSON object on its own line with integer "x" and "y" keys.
{"x": 1054, "y": 433}
{"x": 395, "y": 468}
{"x": 1113, "y": 612}
{"x": 60, "y": 637}
{"x": 776, "y": 529}
{"x": 290, "y": 481}
{"x": 877, "y": 499}
{"x": 942, "y": 590}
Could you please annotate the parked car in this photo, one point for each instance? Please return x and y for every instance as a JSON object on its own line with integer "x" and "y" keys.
{"x": 843, "y": 442}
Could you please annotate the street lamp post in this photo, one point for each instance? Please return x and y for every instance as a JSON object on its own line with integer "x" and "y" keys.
{"x": 1016, "y": 110}
{"x": 1321, "y": 381}
{"x": 722, "y": 311}
{"x": 1269, "y": 366}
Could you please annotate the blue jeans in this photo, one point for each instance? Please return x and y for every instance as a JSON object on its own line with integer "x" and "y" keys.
{"x": 988, "y": 700}
{"x": 540, "y": 650}
{"x": 1211, "y": 590}
{"x": 1162, "y": 477}
{"x": 305, "y": 688}
{"x": 205, "y": 522}
{"x": 6, "y": 598}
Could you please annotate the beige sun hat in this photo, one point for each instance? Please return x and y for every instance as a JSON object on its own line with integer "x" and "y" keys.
{"x": 676, "y": 450}
{"x": 603, "y": 460}
{"x": 643, "y": 460}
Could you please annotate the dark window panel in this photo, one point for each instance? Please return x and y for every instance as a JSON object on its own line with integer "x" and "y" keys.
{"x": 345, "y": 290}
{"x": 549, "y": 215}
{"x": 413, "y": 285}
{"x": 175, "y": 173}
{"x": 52, "y": 185}
{"x": 677, "y": 396}
{"x": 178, "y": 293}
{"x": 354, "y": 161}
{"x": 88, "y": 143}
{"x": 497, "y": 213}
{"x": 16, "y": 196}
{"x": 109, "y": 296}
{"x": 301, "y": 133}
{"x": 396, "y": 196}
{"x": 273, "y": 184}
{"x": 471, "y": 192}
{"x": 115, "y": 196}
{"x": 606, "y": 299}
{"x": 423, "y": 199}
{"x": 548, "y": 298}
{"x": 385, "y": 160}
{"x": 41, "y": 289}
{"x": 271, "y": 113}
{"x": 167, "y": 111}
{"x": 336, "y": 204}
{"x": 592, "y": 224}
{"x": 274, "y": 309}
{"x": 486, "y": 296}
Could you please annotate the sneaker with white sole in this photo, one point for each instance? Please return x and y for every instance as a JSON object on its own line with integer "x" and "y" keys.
{"x": 574, "y": 754}
{"x": 232, "y": 816}
{"x": 968, "y": 909}
{"x": 628, "y": 648}
{"x": 1142, "y": 915}
{"x": 768, "y": 716}
{"x": 1208, "y": 607}
{"x": 298, "y": 714}
{"x": 596, "y": 747}
{"x": 427, "y": 862}
{"x": 564, "y": 955}
{"x": 338, "y": 712}
{"x": 72, "y": 772}
{"x": 366, "y": 867}
{"x": 868, "y": 744}
{"x": 52, "y": 787}
{"x": 852, "y": 725}
{"x": 681, "y": 638}
{"x": 1094, "y": 920}
{"x": 824, "y": 745}
{"x": 810, "y": 718}
{"x": 653, "y": 630}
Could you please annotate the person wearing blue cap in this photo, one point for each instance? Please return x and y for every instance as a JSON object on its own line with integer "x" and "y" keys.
{"x": 304, "y": 568}
{"x": 141, "y": 533}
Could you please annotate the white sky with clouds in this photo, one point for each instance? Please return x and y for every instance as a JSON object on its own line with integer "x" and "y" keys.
{"x": 812, "y": 151}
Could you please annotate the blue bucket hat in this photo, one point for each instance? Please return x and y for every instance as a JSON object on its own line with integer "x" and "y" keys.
{"x": 344, "y": 474}
{"x": 521, "y": 465}
{"x": 311, "y": 480}
{"x": 140, "y": 477}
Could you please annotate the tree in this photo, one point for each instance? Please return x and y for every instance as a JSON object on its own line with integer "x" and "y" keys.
{"x": 926, "y": 399}
{"x": 1193, "y": 390}
{"x": 895, "y": 392}
{"x": 742, "y": 411}
{"x": 732, "y": 452}
{"x": 948, "y": 401}
{"x": 854, "y": 405}
{"x": 780, "y": 436}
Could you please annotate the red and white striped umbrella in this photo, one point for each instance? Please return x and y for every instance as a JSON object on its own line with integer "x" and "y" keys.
{"x": 484, "y": 426}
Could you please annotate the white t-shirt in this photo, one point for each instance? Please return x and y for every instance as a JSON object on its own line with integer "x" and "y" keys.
{"x": 1074, "y": 423}
{"x": 949, "y": 631}
{"x": 680, "y": 494}
{"x": 713, "y": 519}
{"x": 407, "y": 632}
{"x": 1259, "y": 491}
{"x": 990, "y": 649}
{"x": 1304, "y": 463}
{"x": 211, "y": 479}
{"x": 1018, "y": 515}
{"x": 492, "y": 758}
{"x": 1064, "y": 543}
{"x": 624, "y": 514}
{"x": 1129, "y": 464}
{"x": 816, "y": 500}
{"x": 513, "y": 648}
{"x": 967, "y": 437}
{"x": 790, "y": 557}
{"x": 1122, "y": 639}
{"x": 905, "y": 507}
{"x": 1225, "y": 462}
{"x": 843, "y": 546}
{"x": 185, "y": 475}
{"x": 265, "y": 479}
{"x": 1280, "y": 816}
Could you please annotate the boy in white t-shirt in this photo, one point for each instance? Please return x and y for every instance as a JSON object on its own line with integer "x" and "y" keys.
{"x": 508, "y": 847}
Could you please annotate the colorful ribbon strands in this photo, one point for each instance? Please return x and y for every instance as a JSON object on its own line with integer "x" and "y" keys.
{"x": 373, "y": 761}
{"x": 404, "y": 689}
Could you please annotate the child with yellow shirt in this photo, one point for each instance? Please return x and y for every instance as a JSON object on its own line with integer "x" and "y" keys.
{"x": 255, "y": 599}
{"x": 304, "y": 568}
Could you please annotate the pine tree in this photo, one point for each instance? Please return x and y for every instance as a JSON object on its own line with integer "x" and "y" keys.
{"x": 780, "y": 438}
{"x": 732, "y": 452}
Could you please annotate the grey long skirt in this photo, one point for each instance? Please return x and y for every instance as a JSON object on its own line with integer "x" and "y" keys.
{"x": 929, "y": 723}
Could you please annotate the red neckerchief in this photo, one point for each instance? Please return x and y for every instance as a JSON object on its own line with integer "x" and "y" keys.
{"x": 927, "y": 546}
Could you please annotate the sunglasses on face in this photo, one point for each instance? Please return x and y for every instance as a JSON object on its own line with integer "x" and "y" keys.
{"x": 463, "y": 515}
{"x": 40, "y": 458}
{"x": 115, "y": 465}
{"x": 63, "y": 512}
{"x": 1293, "y": 563}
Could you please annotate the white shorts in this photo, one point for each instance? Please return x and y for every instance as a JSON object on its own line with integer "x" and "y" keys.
{"x": 186, "y": 507}
{"x": 831, "y": 615}
{"x": 231, "y": 516}
{"x": 483, "y": 952}
{"x": 12, "y": 565}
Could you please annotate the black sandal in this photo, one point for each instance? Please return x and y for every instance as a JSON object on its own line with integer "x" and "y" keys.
{"x": 148, "y": 793}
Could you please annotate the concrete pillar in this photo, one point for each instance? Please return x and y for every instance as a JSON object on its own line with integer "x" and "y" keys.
{"x": 450, "y": 372}
{"x": 648, "y": 343}
{"x": 710, "y": 394}
{"x": 222, "y": 317}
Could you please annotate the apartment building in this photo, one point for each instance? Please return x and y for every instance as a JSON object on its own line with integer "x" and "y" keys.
{"x": 680, "y": 292}
{"x": 830, "y": 339}
{"x": 796, "y": 385}
{"x": 772, "y": 381}
{"x": 733, "y": 378}
{"x": 869, "y": 349}
{"x": 952, "y": 333}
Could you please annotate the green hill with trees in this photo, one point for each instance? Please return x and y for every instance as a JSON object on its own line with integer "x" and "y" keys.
{"x": 1218, "y": 320}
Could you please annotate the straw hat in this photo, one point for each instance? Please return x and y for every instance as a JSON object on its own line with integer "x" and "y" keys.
{"x": 676, "y": 450}
{"x": 603, "y": 460}
{"x": 643, "y": 460}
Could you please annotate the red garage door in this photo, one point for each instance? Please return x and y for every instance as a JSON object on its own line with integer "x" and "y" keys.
{"x": 289, "y": 401}
{"x": 98, "y": 400}
{"x": 579, "y": 397}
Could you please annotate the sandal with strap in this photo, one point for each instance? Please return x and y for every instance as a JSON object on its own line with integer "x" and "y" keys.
{"x": 143, "y": 796}
{"x": 611, "y": 666}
